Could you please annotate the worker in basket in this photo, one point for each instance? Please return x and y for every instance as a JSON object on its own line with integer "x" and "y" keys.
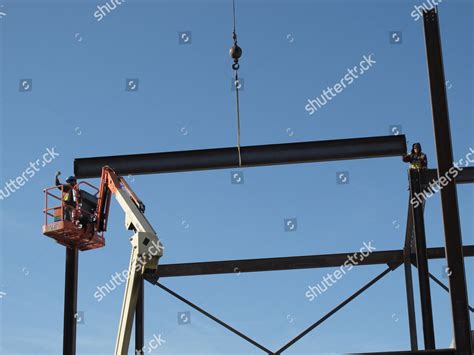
{"x": 69, "y": 197}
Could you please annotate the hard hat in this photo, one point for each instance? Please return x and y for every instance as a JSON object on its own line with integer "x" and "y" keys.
{"x": 71, "y": 179}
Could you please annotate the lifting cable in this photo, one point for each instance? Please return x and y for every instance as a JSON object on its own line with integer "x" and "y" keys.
{"x": 235, "y": 53}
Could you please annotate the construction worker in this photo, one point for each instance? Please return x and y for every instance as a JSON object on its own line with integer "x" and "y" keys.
{"x": 69, "y": 195}
{"x": 417, "y": 158}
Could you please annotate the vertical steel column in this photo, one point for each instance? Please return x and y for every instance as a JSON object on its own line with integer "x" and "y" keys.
{"x": 407, "y": 261}
{"x": 139, "y": 320}
{"x": 422, "y": 261}
{"x": 70, "y": 302}
{"x": 410, "y": 305}
{"x": 449, "y": 201}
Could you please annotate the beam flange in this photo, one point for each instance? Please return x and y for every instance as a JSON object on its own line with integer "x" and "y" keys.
{"x": 464, "y": 176}
{"x": 140, "y": 320}
{"x": 257, "y": 155}
{"x": 409, "y": 279}
{"x": 291, "y": 263}
{"x": 70, "y": 302}
{"x": 422, "y": 262}
{"x": 449, "y": 200}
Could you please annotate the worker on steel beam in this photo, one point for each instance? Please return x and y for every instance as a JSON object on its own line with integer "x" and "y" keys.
{"x": 69, "y": 196}
{"x": 417, "y": 158}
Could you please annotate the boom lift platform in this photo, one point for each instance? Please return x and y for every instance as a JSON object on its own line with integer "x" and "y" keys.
{"x": 73, "y": 227}
{"x": 83, "y": 227}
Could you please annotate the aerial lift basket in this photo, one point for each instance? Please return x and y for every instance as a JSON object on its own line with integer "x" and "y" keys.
{"x": 73, "y": 226}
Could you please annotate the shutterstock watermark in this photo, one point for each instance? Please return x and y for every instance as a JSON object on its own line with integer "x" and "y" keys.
{"x": 14, "y": 185}
{"x": 119, "y": 278}
{"x": 417, "y": 13}
{"x": 437, "y": 185}
{"x": 107, "y": 8}
{"x": 152, "y": 344}
{"x": 331, "y": 92}
{"x": 328, "y": 281}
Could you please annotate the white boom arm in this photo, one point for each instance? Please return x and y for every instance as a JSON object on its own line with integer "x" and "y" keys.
{"x": 146, "y": 251}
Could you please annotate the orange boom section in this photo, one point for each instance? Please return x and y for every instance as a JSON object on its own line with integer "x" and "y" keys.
{"x": 73, "y": 224}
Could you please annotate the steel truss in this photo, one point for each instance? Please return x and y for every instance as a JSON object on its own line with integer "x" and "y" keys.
{"x": 306, "y": 152}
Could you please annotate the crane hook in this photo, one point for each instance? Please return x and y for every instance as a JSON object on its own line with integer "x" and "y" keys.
{"x": 235, "y": 52}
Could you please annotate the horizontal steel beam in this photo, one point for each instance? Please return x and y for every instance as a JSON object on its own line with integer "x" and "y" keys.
{"x": 292, "y": 262}
{"x": 465, "y": 176}
{"x": 258, "y": 155}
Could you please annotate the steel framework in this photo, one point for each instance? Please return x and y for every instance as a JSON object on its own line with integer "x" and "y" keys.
{"x": 306, "y": 152}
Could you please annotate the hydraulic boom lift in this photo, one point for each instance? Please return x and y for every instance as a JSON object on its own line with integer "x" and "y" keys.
{"x": 84, "y": 228}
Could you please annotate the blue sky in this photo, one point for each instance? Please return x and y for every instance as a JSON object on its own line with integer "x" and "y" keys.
{"x": 292, "y": 50}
